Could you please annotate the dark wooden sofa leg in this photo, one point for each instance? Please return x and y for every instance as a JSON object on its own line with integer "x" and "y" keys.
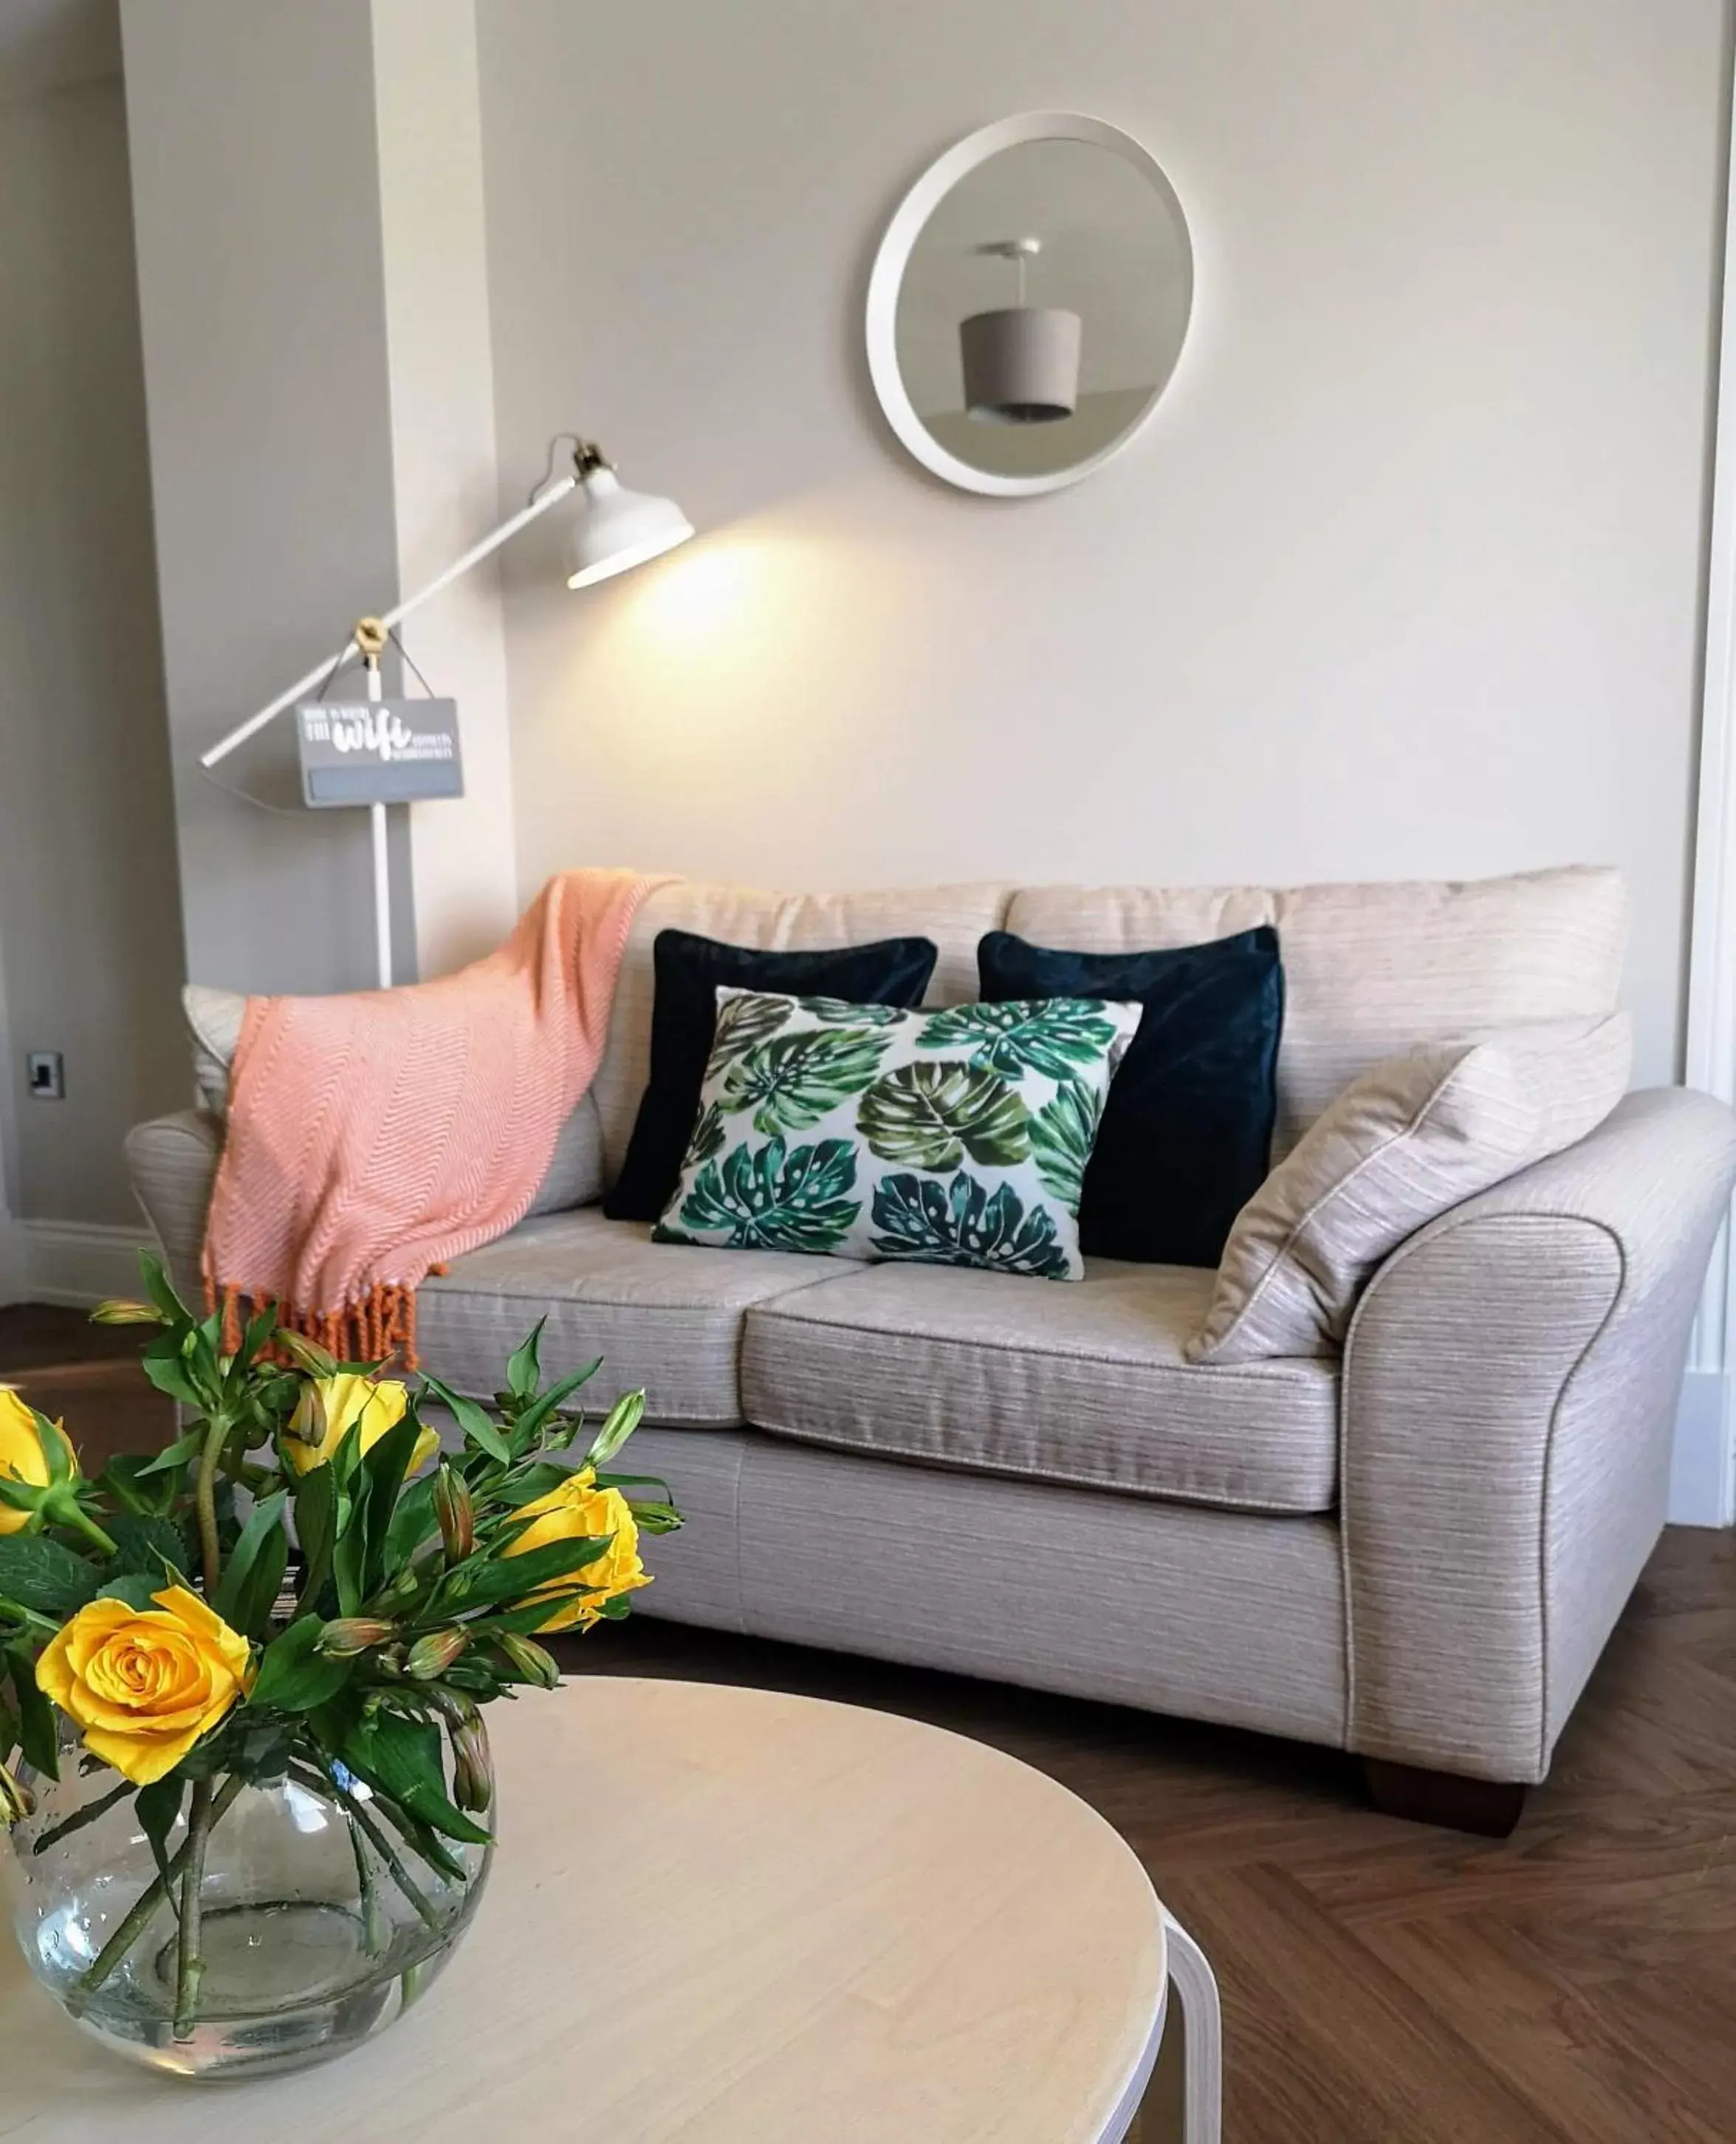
{"x": 1491, "y": 1807}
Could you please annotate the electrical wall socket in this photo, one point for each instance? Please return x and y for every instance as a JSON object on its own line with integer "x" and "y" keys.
{"x": 46, "y": 1071}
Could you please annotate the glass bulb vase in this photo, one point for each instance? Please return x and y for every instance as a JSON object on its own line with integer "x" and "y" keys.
{"x": 319, "y": 1918}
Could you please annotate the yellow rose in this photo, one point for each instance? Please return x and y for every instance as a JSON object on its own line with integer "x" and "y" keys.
{"x": 577, "y": 1508}
{"x": 145, "y": 1684}
{"x": 21, "y": 1454}
{"x": 330, "y": 1407}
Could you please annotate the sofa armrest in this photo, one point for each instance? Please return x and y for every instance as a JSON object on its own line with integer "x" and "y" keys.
{"x": 1509, "y": 1390}
{"x": 173, "y": 1162}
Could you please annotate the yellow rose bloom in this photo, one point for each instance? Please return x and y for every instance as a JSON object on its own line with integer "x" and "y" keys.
{"x": 330, "y": 1407}
{"x": 144, "y": 1685}
{"x": 21, "y": 1454}
{"x": 578, "y": 1507}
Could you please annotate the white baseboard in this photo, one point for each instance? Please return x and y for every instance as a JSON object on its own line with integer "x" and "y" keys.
{"x": 1702, "y": 1490}
{"x": 76, "y": 1262}
{"x": 14, "y": 1261}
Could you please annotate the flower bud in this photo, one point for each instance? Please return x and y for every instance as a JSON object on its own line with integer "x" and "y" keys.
{"x": 435, "y": 1652}
{"x": 473, "y": 1769}
{"x": 117, "y": 1311}
{"x": 349, "y": 1635}
{"x": 306, "y": 1354}
{"x": 456, "y": 1514}
{"x": 534, "y": 1663}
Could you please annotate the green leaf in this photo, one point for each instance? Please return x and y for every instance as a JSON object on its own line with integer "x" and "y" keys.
{"x": 36, "y": 1721}
{"x": 525, "y": 1484}
{"x": 620, "y": 1423}
{"x": 123, "y": 1482}
{"x": 794, "y": 1081}
{"x": 138, "y": 1588}
{"x": 963, "y": 1223}
{"x": 471, "y": 1419}
{"x": 146, "y": 1542}
{"x": 401, "y": 1758}
{"x": 530, "y": 1424}
{"x": 384, "y": 1468}
{"x": 170, "y": 1374}
{"x": 255, "y": 1599}
{"x": 523, "y": 1373}
{"x": 933, "y": 1115}
{"x": 771, "y": 1199}
{"x": 1054, "y": 1036}
{"x": 413, "y": 1522}
{"x": 184, "y": 1448}
{"x": 44, "y": 1575}
{"x": 1063, "y": 1132}
{"x": 316, "y": 1529}
{"x": 157, "y": 1288}
{"x": 157, "y": 1808}
{"x": 293, "y": 1677}
{"x": 485, "y": 1581}
{"x": 235, "y": 1593}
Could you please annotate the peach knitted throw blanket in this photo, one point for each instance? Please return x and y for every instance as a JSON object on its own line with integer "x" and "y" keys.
{"x": 372, "y": 1137}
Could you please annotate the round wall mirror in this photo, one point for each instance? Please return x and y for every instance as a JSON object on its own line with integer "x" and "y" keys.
{"x": 1028, "y": 302}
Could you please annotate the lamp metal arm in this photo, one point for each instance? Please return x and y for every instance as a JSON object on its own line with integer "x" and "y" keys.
{"x": 539, "y": 505}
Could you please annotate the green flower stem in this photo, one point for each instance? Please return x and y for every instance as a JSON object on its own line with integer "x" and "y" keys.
{"x": 382, "y": 1846}
{"x": 367, "y": 1895}
{"x": 216, "y": 1435}
{"x": 64, "y": 1510}
{"x": 133, "y": 1927}
{"x": 189, "y": 1966}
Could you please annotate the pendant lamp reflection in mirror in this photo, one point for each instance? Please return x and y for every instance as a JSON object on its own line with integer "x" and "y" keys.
{"x": 1021, "y": 362}
{"x": 1029, "y": 303}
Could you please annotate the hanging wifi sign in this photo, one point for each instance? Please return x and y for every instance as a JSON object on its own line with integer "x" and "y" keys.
{"x": 378, "y": 751}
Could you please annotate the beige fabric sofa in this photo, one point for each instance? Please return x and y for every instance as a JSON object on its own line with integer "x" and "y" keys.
{"x": 1416, "y": 1552}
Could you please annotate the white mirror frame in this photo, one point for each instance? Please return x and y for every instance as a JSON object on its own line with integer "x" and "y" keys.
{"x": 913, "y": 213}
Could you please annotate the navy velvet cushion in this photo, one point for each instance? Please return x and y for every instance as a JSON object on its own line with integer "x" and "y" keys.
{"x": 687, "y": 971}
{"x": 1186, "y": 1136}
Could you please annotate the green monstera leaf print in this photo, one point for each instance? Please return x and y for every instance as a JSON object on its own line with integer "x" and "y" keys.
{"x": 840, "y": 1012}
{"x": 745, "y": 1022}
{"x": 707, "y": 1137}
{"x": 794, "y": 1081}
{"x": 771, "y": 1199}
{"x": 932, "y": 1115}
{"x": 964, "y": 1224}
{"x": 1062, "y": 1132}
{"x": 1054, "y": 1036}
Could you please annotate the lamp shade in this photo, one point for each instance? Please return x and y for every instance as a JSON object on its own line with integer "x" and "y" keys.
{"x": 1021, "y": 364}
{"x": 620, "y": 528}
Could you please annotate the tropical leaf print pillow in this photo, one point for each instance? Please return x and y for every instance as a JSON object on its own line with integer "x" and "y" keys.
{"x": 959, "y": 1137}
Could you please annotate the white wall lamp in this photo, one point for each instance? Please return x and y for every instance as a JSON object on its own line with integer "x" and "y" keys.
{"x": 619, "y": 529}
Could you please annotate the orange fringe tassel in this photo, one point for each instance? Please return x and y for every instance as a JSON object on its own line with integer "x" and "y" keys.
{"x": 382, "y": 1325}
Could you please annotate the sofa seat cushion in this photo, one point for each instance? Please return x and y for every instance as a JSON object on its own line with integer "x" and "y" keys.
{"x": 1085, "y": 1385}
{"x": 668, "y": 1319}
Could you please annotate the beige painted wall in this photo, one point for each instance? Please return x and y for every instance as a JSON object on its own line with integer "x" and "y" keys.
{"x": 89, "y": 929}
{"x": 1402, "y": 579}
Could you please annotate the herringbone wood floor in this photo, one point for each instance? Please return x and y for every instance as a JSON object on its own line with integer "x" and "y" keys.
{"x": 1382, "y": 1983}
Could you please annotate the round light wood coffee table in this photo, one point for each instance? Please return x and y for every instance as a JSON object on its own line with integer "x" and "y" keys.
{"x": 726, "y": 1917}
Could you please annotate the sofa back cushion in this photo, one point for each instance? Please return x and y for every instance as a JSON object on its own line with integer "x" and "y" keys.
{"x": 955, "y": 916}
{"x": 1406, "y": 1141}
{"x": 1371, "y": 971}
